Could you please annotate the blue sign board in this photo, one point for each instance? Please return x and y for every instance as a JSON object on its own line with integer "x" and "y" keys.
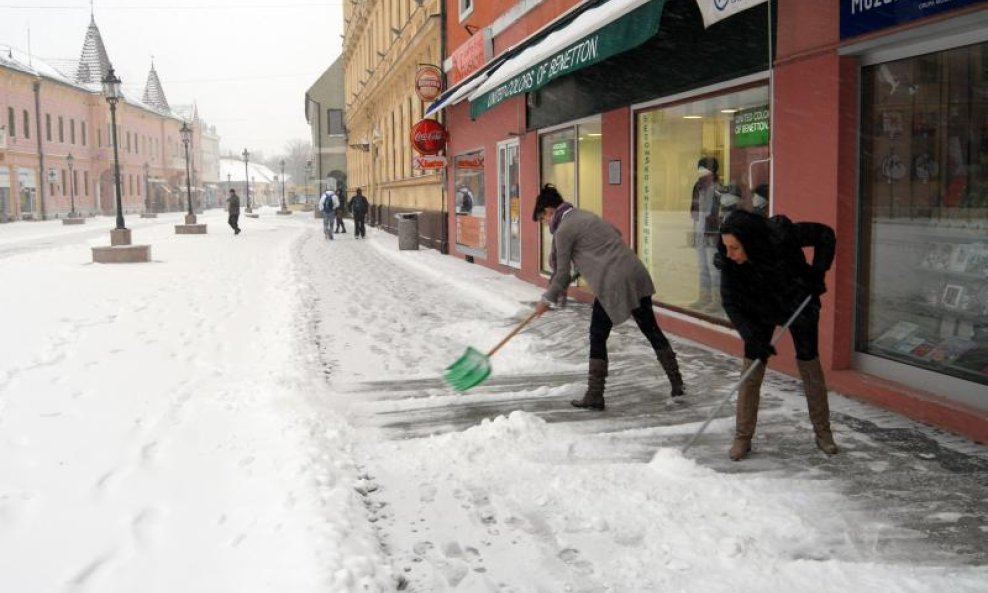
{"x": 864, "y": 16}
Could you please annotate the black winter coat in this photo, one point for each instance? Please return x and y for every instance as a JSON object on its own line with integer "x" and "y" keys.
{"x": 767, "y": 289}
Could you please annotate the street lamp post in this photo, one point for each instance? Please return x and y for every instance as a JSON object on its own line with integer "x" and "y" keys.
{"x": 186, "y": 131}
{"x": 73, "y": 217}
{"x": 147, "y": 192}
{"x": 284, "y": 207}
{"x": 111, "y": 86}
{"x": 120, "y": 249}
{"x": 246, "y": 156}
{"x": 190, "y": 227}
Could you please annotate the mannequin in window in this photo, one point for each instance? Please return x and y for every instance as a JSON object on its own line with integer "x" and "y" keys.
{"x": 705, "y": 211}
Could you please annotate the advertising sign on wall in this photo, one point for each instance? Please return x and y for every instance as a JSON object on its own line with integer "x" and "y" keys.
{"x": 428, "y": 82}
{"x": 751, "y": 127}
{"x": 428, "y": 137}
{"x": 858, "y": 17}
{"x": 471, "y": 56}
{"x": 428, "y": 163}
{"x": 562, "y": 151}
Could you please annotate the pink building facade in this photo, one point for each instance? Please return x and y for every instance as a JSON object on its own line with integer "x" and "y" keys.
{"x": 56, "y": 150}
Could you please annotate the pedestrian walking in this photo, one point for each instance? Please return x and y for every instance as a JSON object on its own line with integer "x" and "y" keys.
{"x": 620, "y": 283}
{"x": 340, "y": 212}
{"x": 764, "y": 278}
{"x": 359, "y": 207}
{"x": 328, "y": 204}
{"x": 233, "y": 207}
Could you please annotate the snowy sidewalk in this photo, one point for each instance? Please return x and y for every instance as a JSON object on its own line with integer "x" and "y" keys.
{"x": 264, "y": 413}
{"x": 508, "y": 488}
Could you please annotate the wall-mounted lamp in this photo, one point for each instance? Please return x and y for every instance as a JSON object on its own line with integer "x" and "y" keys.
{"x": 380, "y": 54}
{"x": 396, "y": 31}
{"x": 471, "y": 29}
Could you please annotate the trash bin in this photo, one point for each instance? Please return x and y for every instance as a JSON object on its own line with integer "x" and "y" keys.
{"x": 408, "y": 230}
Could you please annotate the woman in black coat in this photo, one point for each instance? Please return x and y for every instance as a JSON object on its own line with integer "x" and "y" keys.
{"x": 764, "y": 279}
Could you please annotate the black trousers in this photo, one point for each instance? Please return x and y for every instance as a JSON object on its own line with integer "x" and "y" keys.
{"x": 359, "y": 230}
{"x": 805, "y": 332}
{"x": 233, "y": 222}
{"x": 600, "y": 328}
{"x": 340, "y": 227}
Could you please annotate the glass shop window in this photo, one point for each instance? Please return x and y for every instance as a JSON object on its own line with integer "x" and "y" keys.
{"x": 923, "y": 270}
{"x": 695, "y": 162}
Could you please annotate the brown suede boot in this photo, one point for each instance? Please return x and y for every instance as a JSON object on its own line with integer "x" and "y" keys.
{"x": 815, "y": 388}
{"x": 747, "y": 411}
{"x": 667, "y": 358}
{"x": 594, "y": 397}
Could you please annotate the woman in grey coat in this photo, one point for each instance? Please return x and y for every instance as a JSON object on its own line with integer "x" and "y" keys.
{"x": 619, "y": 281}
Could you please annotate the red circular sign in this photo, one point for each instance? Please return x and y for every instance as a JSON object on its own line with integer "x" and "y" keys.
{"x": 428, "y": 137}
{"x": 428, "y": 83}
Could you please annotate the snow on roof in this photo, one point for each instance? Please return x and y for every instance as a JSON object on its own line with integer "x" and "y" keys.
{"x": 235, "y": 169}
{"x": 52, "y": 69}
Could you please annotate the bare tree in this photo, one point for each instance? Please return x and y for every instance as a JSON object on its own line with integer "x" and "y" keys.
{"x": 297, "y": 154}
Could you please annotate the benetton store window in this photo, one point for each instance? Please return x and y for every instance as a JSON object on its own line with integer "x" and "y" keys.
{"x": 571, "y": 160}
{"x": 923, "y": 273}
{"x": 696, "y": 162}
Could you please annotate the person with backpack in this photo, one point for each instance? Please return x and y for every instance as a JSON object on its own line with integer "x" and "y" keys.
{"x": 328, "y": 204}
{"x": 359, "y": 207}
{"x": 764, "y": 279}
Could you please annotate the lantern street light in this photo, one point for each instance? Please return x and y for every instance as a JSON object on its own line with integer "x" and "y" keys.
{"x": 120, "y": 249}
{"x": 283, "y": 206}
{"x": 111, "y": 88}
{"x": 69, "y": 160}
{"x": 147, "y": 188}
{"x": 246, "y": 156}
{"x": 186, "y": 132}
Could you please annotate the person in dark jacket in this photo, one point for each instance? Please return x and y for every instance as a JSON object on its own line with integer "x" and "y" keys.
{"x": 620, "y": 283}
{"x": 359, "y": 207}
{"x": 764, "y": 279}
{"x": 233, "y": 209}
{"x": 340, "y": 212}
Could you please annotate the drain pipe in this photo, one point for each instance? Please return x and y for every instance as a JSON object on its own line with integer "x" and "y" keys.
{"x": 444, "y": 178}
{"x": 41, "y": 154}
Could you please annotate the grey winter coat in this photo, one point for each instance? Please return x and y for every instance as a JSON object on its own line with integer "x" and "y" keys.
{"x": 615, "y": 274}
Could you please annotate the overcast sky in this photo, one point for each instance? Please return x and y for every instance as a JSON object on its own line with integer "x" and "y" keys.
{"x": 246, "y": 63}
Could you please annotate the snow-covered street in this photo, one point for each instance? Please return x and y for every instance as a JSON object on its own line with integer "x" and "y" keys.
{"x": 265, "y": 413}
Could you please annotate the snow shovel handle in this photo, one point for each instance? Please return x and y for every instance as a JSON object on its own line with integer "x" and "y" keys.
{"x": 745, "y": 375}
{"x": 517, "y": 329}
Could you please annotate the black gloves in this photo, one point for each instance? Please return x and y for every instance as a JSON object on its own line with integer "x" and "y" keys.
{"x": 758, "y": 350}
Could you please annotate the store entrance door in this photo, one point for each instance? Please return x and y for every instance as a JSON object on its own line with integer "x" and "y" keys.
{"x": 508, "y": 204}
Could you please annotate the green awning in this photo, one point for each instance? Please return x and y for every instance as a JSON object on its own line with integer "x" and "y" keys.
{"x": 597, "y": 34}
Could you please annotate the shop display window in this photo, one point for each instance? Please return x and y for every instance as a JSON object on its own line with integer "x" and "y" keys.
{"x": 469, "y": 202}
{"x": 923, "y": 274}
{"x": 695, "y": 163}
{"x": 571, "y": 160}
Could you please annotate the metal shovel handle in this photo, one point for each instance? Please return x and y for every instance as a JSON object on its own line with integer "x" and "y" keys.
{"x": 744, "y": 376}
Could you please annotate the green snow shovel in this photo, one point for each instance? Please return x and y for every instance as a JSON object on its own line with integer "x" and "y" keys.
{"x": 474, "y": 366}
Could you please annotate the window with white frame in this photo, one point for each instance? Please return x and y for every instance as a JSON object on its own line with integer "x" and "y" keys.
{"x": 466, "y": 9}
